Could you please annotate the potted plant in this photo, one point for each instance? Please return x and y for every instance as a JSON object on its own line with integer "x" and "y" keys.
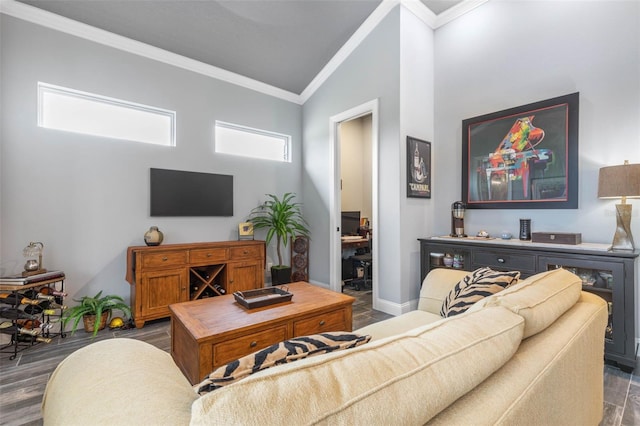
{"x": 94, "y": 311}
{"x": 283, "y": 219}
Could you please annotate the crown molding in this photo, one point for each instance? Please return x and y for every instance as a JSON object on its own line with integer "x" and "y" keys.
{"x": 78, "y": 29}
{"x": 421, "y": 11}
{"x": 457, "y": 11}
{"x": 414, "y": 6}
{"x": 347, "y": 49}
{"x": 436, "y": 21}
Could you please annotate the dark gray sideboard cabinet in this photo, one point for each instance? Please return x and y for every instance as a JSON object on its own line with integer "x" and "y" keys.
{"x": 610, "y": 275}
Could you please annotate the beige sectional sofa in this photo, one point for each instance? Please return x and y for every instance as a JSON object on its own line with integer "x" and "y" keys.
{"x": 529, "y": 355}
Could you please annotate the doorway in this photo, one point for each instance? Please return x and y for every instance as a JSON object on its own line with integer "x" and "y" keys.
{"x": 362, "y": 192}
{"x": 355, "y": 200}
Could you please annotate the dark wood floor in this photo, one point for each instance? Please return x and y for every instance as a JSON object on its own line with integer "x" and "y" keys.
{"x": 23, "y": 380}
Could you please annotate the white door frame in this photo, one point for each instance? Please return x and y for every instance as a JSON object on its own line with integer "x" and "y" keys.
{"x": 335, "y": 244}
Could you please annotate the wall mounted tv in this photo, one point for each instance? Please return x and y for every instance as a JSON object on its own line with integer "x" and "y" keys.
{"x": 181, "y": 193}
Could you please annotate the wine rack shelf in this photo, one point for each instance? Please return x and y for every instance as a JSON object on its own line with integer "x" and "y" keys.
{"x": 40, "y": 314}
{"x": 206, "y": 282}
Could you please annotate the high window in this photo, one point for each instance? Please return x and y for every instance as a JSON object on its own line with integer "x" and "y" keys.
{"x": 61, "y": 108}
{"x": 248, "y": 142}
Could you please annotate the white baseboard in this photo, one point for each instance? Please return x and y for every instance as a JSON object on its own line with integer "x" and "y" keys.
{"x": 386, "y": 306}
{"x": 393, "y": 308}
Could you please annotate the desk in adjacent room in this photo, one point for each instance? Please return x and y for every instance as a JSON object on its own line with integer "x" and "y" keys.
{"x": 350, "y": 248}
{"x": 354, "y": 243}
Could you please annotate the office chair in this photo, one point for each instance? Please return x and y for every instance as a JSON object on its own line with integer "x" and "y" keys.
{"x": 363, "y": 260}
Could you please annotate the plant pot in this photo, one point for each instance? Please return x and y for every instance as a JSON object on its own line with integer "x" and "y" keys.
{"x": 90, "y": 321}
{"x": 280, "y": 275}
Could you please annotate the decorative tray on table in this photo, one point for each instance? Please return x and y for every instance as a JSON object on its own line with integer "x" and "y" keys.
{"x": 262, "y": 297}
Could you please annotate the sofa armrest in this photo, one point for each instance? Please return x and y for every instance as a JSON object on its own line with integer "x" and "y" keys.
{"x": 436, "y": 286}
{"x": 118, "y": 381}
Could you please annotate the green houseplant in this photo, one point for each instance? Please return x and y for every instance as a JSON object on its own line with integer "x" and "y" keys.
{"x": 94, "y": 311}
{"x": 283, "y": 219}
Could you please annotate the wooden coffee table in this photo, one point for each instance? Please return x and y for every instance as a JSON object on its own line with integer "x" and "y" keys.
{"x": 208, "y": 333}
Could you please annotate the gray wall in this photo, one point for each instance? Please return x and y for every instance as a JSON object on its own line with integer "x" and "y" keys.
{"x": 485, "y": 63}
{"x": 87, "y": 198}
{"x": 559, "y": 48}
{"x": 416, "y": 120}
{"x": 371, "y": 72}
{"x": 394, "y": 65}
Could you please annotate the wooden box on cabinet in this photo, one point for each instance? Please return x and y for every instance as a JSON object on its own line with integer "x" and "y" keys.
{"x": 610, "y": 275}
{"x": 556, "y": 237}
{"x": 172, "y": 273}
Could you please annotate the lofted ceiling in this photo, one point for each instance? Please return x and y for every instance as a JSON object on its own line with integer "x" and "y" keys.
{"x": 282, "y": 43}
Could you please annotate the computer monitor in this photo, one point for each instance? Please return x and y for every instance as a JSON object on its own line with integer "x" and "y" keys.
{"x": 350, "y": 223}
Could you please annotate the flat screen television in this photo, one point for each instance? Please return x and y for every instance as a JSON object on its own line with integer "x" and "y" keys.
{"x": 181, "y": 193}
{"x": 350, "y": 223}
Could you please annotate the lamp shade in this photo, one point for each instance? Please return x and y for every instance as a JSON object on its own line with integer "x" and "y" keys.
{"x": 619, "y": 181}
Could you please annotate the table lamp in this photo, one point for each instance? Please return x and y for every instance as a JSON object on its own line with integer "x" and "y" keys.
{"x": 621, "y": 182}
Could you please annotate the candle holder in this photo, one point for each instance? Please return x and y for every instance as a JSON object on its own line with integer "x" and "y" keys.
{"x": 33, "y": 266}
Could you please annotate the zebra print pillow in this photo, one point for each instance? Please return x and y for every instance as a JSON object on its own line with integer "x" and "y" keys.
{"x": 280, "y": 353}
{"x": 477, "y": 285}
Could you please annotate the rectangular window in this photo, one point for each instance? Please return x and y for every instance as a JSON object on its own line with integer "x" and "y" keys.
{"x": 71, "y": 110}
{"x": 241, "y": 140}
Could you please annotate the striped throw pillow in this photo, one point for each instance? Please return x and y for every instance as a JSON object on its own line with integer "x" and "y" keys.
{"x": 279, "y": 353}
{"x": 477, "y": 285}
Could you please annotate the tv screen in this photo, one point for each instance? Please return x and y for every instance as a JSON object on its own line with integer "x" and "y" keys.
{"x": 350, "y": 223}
{"x": 180, "y": 193}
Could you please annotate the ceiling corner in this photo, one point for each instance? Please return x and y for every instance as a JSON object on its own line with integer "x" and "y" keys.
{"x": 457, "y": 11}
{"x": 421, "y": 11}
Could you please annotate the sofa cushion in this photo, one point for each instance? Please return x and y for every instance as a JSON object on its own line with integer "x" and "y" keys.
{"x": 398, "y": 325}
{"x": 555, "y": 378}
{"x": 279, "y": 353}
{"x": 539, "y": 299}
{"x": 417, "y": 373}
{"x": 475, "y": 286}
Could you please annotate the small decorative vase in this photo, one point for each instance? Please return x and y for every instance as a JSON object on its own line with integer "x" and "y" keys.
{"x": 458, "y": 261}
{"x": 448, "y": 260}
{"x": 153, "y": 237}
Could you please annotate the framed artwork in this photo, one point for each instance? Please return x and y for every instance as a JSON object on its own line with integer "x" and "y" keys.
{"x": 418, "y": 168}
{"x": 245, "y": 231}
{"x": 522, "y": 158}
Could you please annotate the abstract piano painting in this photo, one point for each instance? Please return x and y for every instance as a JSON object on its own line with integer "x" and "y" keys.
{"x": 524, "y": 157}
